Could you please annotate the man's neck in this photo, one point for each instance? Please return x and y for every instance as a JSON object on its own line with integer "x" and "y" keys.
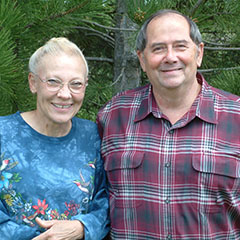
{"x": 174, "y": 103}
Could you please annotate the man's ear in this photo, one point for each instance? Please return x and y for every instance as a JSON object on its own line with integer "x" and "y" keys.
{"x": 200, "y": 50}
{"x": 32, "y": 83}
{"x": 141, "y": 60}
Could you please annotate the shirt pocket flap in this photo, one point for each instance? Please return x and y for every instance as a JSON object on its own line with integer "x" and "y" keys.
{"x": 125, "y": 160}
{"x": 219, "y": 163}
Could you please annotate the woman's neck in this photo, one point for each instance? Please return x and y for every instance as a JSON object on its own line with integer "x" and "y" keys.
{"x": 44, "y": 127}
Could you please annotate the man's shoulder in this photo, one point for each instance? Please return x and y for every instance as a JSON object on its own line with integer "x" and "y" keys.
{"x": 224, "y": 95}
{"x": 225, "y": 102}
{"x": 133, "y": 92}
{"x": 226, "y": 99}
{"x": 218, "y": 94}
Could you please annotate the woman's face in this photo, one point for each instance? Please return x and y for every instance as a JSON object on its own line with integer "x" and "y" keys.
{"x": 58, "y": 107}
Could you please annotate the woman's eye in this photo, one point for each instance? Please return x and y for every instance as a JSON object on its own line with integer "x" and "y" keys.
{"x": 54, "y": 82}
{"x": 76, "y": 84}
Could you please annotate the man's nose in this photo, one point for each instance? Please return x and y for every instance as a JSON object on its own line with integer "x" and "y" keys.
{"x": 170, "y": 55}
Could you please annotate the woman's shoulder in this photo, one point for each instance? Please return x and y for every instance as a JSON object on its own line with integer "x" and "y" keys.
{"x": 85, "y": 127}
{"x": 85, "y": 124}
{"x": 9, "y": 116}
{"x": 9, "y": 120}
{"x": 10, "y": 126}
{"x": 85, "y": 130}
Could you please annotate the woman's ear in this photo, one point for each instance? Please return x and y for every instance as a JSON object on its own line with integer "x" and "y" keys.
{"x": 32, "y": 83}
{"x": 86, "y": 82}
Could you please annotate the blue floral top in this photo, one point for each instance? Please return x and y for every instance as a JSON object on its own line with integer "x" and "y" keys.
{"x": 50, "y": 177}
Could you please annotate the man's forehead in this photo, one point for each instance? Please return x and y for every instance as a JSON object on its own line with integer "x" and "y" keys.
{"x": 166, "y": 23}
{"x": 168, "y": 15}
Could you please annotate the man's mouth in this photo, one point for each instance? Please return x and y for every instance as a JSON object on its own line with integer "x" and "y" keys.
{"x": 171, "y": 70}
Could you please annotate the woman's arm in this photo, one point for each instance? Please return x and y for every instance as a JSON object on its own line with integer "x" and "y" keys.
{"x": 60, "y": 229}
{"x": 96, "y": 221}
{"x": 10, "y": 229}
{"x": 90, "y": 226}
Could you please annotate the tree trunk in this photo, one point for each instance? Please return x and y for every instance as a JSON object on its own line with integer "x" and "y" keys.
{"x": 127, "y": 70}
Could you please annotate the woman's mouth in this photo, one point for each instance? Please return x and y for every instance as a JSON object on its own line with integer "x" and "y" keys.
{"x": 62, "y": 106}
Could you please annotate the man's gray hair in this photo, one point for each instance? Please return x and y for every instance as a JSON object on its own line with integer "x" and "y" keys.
{"x": 141, "y": 40}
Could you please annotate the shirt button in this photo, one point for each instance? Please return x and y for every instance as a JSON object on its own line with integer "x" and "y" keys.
{"x": 167, "y": 201}
{"x": 167, "y": 165}
{"x": 170, "y": 132}
{"x": 169, "y": 236}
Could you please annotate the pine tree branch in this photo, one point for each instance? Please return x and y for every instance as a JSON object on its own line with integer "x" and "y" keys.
{"x": 110, "y": 28}
{"x": 218, "y": 69}
{"x": 195, "y": 7}
{"x": 69, "y": 11}
{"x": 100, "y": 59}
{"x": 101, "y": 34}
{"x": 216, "y": 44}
{"x": 59, "y": 15}
{"x": 222, "y": 48}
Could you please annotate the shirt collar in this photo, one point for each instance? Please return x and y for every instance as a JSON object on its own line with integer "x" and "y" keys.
{"x": 148, "y": 105}
{"x": 205, "y": 106}
{"x": 205, "y": 109}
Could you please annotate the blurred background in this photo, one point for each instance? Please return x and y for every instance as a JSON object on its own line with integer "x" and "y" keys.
{"x": 105, "y": 30}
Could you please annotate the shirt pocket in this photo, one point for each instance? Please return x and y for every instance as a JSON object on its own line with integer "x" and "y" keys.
{"x": 218, "y": 181}
{"x": 125, "y": 175}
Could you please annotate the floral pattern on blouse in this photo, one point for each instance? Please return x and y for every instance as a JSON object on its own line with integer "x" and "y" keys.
{"x": 25, "y": 211}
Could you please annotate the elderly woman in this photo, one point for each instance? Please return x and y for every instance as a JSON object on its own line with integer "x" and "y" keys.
{"x": 52, "y": 182}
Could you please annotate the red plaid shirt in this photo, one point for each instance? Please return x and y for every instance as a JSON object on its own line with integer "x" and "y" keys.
{"x": 178, "y": 181}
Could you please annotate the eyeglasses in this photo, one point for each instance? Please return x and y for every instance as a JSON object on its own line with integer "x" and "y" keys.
{"x": 54, "y": 84}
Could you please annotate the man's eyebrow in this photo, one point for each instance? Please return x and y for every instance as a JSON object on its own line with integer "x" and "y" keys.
{"x": 158, "y": 44}
{"x": 181, "y": 41}
{"x": 164, "y": 44}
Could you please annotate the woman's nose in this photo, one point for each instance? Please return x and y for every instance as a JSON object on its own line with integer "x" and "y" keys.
{"x": 64, "y": 92}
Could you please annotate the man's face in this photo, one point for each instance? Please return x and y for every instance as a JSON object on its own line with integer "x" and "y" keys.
{"x": 170, "y": 58}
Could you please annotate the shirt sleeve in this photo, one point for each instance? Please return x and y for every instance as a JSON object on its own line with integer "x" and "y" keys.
{"x": 96, "y": 221}
{"x": 100, "y": 128}
{"x": 10, "y": 229}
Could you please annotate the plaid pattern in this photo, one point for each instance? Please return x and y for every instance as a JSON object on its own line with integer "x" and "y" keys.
{"x": 178, "y": 181}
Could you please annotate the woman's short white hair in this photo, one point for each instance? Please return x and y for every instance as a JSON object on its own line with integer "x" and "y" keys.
{"x": 55, "y": 46}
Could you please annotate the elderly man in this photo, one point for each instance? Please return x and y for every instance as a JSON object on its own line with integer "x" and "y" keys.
{"x": 171, "y": 149}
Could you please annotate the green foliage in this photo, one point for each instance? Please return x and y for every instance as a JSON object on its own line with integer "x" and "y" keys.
{"x": 217, "y": 21}
{"x": 140, "y": 10}
{"x": 26, "y": 25}
{"x": 9, "y": 72}
{"x": 221, "y": 37}
{"x": 227, "y": 80}
{"x": 99, "y": 90}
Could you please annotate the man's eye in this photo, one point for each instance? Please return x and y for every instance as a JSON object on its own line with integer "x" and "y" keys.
{"x": 181, "y": 46}
{"x": 54, "y": 81}
{"x": 158, "y": 49}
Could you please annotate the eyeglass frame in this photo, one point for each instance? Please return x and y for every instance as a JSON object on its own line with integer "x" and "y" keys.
{"x": 61, "y": 84}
